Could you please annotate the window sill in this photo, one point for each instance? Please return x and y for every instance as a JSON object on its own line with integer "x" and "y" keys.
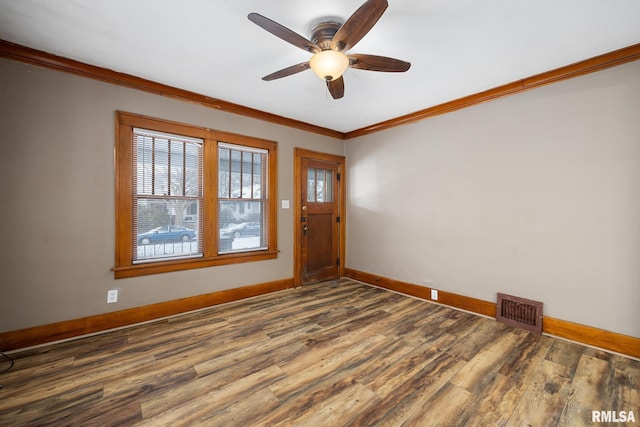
{"x": 190, "y": 263}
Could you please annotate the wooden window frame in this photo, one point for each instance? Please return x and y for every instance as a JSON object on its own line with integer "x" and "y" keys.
{"x": 124, "y": 169}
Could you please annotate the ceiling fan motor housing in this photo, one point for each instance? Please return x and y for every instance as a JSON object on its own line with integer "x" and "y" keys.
{"x": 323, "y": 31}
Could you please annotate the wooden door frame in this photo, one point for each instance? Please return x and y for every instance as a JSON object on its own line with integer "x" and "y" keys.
{"x": 299, "y": 154}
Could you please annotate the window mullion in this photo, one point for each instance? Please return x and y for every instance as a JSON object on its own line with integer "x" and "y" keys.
{"x": 241, "y": 174}
{"x": 253, "y": 172}
{"x": 153, "y": 166}
{"x": 230, "y": 174}
{"x": 184, "y": 170}
{"x": 210, "y": 196}
{"x": 169, "y": 192}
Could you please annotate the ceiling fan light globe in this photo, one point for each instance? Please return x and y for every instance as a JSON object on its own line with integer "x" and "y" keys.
{"x": 329, "y": 64}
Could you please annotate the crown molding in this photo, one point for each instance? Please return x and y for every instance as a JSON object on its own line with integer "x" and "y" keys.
{"x": 28, "y": 55}
{"x": 36, "y": 57}
{"x": 591, "y": 65}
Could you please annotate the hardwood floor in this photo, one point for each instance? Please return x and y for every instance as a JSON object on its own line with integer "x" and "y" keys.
{"x": 332, "y": 354}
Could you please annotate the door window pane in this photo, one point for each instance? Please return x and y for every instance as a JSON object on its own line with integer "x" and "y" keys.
{"x": 329, "y": 186}
{"x": 311, "y": 185}
{"x": 319, "y": 185}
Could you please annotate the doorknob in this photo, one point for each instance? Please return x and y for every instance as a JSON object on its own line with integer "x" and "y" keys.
{"x": 304, "y": 230}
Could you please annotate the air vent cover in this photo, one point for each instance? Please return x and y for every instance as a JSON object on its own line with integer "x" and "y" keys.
{"x": 519, "y": 312}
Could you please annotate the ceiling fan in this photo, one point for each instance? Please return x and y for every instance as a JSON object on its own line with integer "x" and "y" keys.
{"x": 330, "y": 40}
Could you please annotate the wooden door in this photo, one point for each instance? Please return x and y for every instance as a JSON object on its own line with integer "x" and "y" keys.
{"x": 319, "y": 221}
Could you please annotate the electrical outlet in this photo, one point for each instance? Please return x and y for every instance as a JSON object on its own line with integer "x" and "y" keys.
{"x": 112, "y": 296}
{"x": 434, "y": 294}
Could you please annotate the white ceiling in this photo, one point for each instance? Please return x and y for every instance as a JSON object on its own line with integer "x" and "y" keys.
{"x": 456, "y": 47}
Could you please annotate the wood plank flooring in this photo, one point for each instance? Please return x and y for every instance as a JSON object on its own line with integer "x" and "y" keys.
{"x": 333, "y": 354}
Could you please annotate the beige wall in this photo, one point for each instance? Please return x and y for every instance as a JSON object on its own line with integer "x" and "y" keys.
{"x": 536, "y": 195}
{"x": 57, "y": 213}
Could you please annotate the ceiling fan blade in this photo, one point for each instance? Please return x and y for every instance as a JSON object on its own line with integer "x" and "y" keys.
{"x": 287, "y": 71}
{"x": 283, "y": 32}
{"x": 377, "y": 63}
{"x": 358, "y": 25}
{"x": 336, "y": 87}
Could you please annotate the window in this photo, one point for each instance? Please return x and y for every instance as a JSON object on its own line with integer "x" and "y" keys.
{"x": 167, "y": 182}
{"x": 190, "y": 197}
{"x": 241, "y": 202}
